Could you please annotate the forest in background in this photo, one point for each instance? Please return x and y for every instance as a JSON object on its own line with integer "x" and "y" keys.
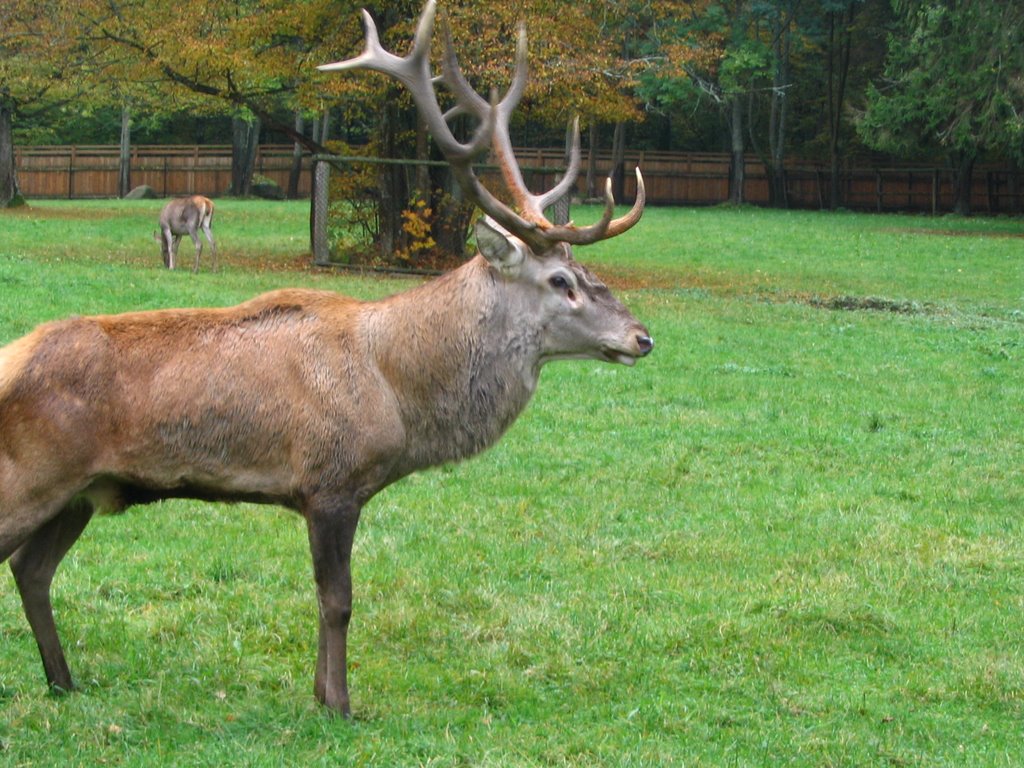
{"x": 937, "y": 81}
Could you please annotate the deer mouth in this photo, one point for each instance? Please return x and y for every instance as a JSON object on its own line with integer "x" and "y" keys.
{"x": 617, "y": 356}
{"x": 644, "y": 345}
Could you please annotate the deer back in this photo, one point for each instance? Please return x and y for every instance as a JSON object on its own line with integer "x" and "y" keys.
{"x": 184, "y": 215}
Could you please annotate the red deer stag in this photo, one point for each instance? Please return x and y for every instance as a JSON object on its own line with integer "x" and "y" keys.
{"x": 302, "y": 398}
{"x": 185, "y": 216}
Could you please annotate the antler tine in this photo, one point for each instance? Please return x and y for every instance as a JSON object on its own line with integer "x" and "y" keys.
{"x": 525, "y": 202}
{"x": 623, "y": 223}
{"x": 413, "y": 71}
{"x": 375, "y": 57}
{"x": 606, "y": 227}
{"x": 569, "y": 179}
{"x": 467, "y": 100}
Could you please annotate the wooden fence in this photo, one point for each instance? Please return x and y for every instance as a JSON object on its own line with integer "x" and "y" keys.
{"x": 92, "y": 171}
{"x": 703, "y": 179}
{"x": 671, "y": 178}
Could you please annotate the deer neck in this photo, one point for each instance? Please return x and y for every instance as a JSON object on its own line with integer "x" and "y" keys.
{"x": 462, "y": 359}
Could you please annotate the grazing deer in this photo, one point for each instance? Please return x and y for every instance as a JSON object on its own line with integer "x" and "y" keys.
{"x": 185, "y": 216}
{"x": 302, "y": 398}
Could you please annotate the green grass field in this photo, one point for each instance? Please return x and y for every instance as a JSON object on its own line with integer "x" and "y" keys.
{"x": 793, "y": 536}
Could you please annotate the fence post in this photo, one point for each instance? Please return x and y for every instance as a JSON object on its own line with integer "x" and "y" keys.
{"x": 319, "y": 201}
{"x": 72, "y": 160}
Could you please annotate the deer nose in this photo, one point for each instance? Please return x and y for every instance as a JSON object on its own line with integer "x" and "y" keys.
{"x": 644, "y": 343}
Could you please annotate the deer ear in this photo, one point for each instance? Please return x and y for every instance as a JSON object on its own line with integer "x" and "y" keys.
{"x": 503, "y": 253}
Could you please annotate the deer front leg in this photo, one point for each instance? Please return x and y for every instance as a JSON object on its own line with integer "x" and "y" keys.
{"x": 172, "y": 249}
{"x": 332, "y": 527}
{"x": 33, "y": 565}
{"x": 165, "y": 240}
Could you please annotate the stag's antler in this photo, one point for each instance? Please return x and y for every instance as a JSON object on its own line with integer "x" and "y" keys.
{"x": 527, "y": 221}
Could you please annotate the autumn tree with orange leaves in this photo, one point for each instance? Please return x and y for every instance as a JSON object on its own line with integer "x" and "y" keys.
{"x": 254, "y": 60}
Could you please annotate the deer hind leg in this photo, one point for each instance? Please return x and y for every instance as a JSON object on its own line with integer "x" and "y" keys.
{"x": 199, "y": 248}
{"x": 213, "y": 246}
{"x": 34, "y": 564}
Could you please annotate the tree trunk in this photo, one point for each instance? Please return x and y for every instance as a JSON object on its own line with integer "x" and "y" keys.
{"x": 392, "y": 188}
{"x": 963, "y": 171}
{"x": 591, "y": 184}
{"x": 321, "y": 127}
{"x": 124, "y": 168}
{"x": 452, "y": 214}
{"x": 777, "y": 193}
{"x": 737, "y": 160}
{"x": 421, "y": 171}
{"x": 325, "y": 126}
{"x": 839, "y": 46}
{"x": 9, "y": 193}
{"x": 1015, "y": 201}
{"x": 245, "y": 139}
{"x": 296, "y": 170}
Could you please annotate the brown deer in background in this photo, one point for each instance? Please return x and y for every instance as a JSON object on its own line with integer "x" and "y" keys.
{"x": 185, "y": 216}
{"x": 301, "y": 398}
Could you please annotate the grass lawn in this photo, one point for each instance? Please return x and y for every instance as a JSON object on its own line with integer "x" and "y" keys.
{"x": 794, "y": 535}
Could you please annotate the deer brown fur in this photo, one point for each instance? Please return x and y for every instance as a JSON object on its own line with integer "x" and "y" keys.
{"x": 305, "y": 399}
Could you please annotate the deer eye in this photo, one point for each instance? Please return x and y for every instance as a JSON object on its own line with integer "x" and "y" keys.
{"x": 559, "y": 283}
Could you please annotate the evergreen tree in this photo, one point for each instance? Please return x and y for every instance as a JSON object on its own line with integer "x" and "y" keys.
{"x": 954, "y": 82}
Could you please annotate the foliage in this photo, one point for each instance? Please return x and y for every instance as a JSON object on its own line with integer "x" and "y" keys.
{"x": 417, "y": 226}
{"x": 575, "y": 60}
{"x": 249, "y": 58}
{"x": 954, "y": 79}
{"x": 41, "y": 66}
{"x": 41, "y": 54}
{"x": 606, "y": 61}
{"x": 792, "y": 536}
{"x": 353, "y": 218}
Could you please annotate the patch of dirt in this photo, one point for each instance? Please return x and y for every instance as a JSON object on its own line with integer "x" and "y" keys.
{"x": 300, "y": 262}
{"x": 873, "y": 303}
{"x": 757, "y": 287}
{"x": 627, "y": 279}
